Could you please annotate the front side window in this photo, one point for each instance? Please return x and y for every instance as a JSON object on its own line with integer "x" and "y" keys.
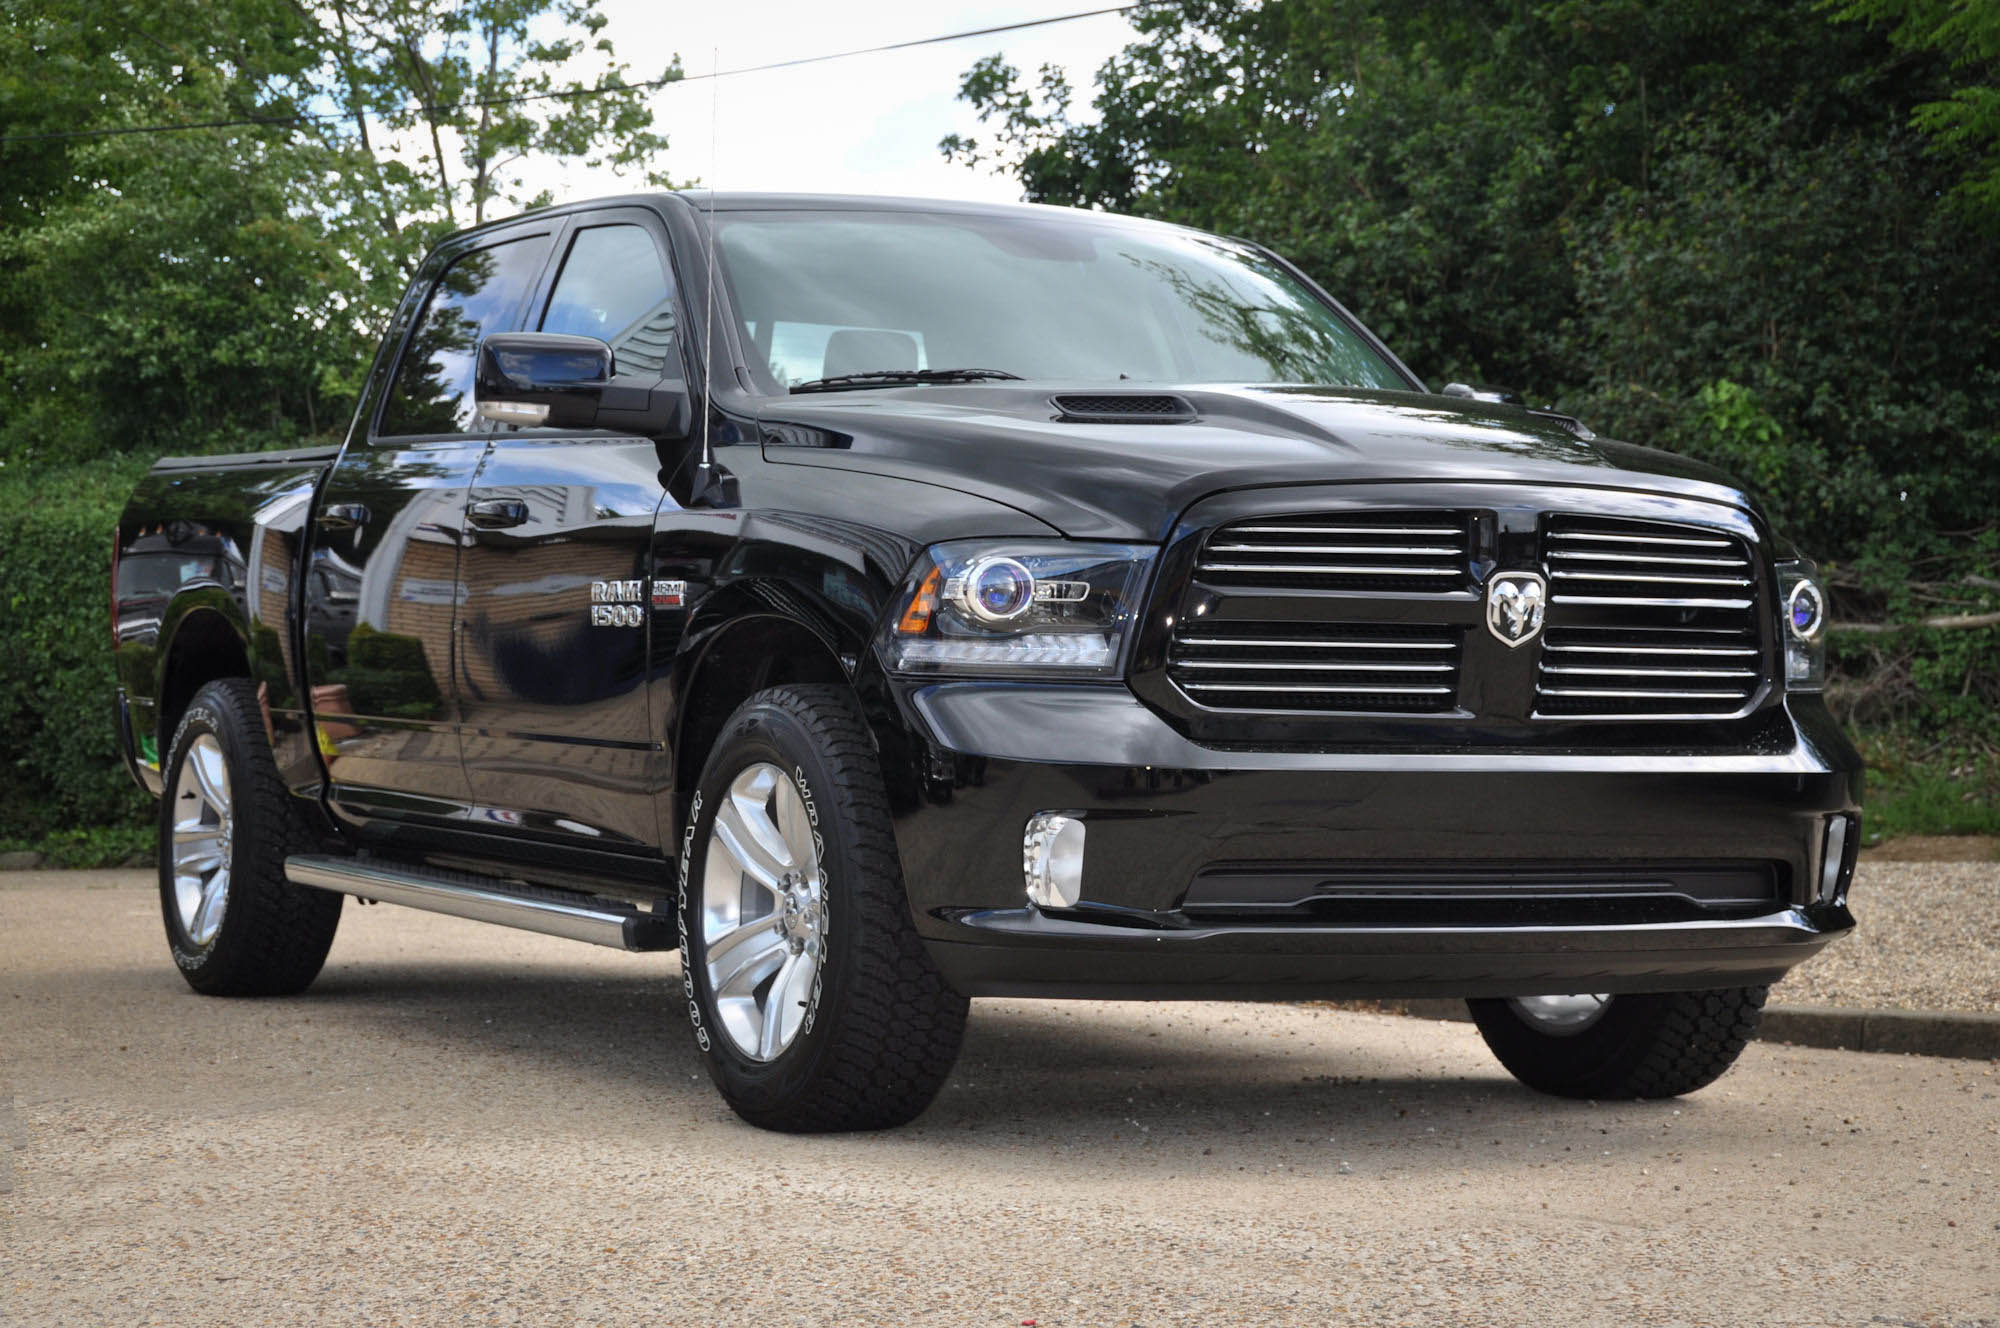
{"x": 1072, "y": 299}
{"x": 614, "y": 287}
{"x": 480, "y": 293}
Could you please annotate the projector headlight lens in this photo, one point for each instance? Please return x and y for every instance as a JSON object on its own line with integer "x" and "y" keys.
{"x": 993, "y": 590}
{"x": 1804, "y": 626}
{"x": 1018, "y": 607}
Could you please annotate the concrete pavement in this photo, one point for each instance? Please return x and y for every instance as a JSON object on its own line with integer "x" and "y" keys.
{"x": 460, "y": 1124}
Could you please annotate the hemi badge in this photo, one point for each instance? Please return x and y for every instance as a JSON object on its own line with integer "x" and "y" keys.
{"x": 670, "y": 594}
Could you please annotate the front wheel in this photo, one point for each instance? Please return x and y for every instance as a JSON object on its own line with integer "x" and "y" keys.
{"x": 1643, "y": 1046}
{"x": 809, "y": 989}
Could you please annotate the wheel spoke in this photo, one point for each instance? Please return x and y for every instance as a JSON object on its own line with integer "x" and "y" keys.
{"x": 771, "y": 1036}
{"x": 719, "y": 947}
{"x": 743, "y": 848}
{"x": 752, "y": 808}
{"x": 214, "y": 895}
{"x": 748, "y": 966}
{"x": 796, "y": 827}
{"x": 211, "y": 774}
{"x": 197, "y": 847}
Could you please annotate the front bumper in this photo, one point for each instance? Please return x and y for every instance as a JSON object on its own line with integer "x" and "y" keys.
{"x": 1164, "y": 814}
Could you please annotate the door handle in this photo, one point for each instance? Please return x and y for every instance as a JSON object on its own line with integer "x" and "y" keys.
{"x": 343, "y": 516}
{"x": 497, "y": 513}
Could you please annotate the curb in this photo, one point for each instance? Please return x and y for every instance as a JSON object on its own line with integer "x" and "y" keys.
{"x": 1951, "y": 1033}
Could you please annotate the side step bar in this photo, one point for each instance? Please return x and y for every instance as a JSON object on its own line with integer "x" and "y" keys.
{"x": 580, "y": 917}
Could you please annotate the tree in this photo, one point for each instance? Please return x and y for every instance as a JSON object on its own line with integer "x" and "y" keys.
{"x": 1706, "y": 227}
{"x": 1965, "y": 122}
{"x": 216, "y": 285}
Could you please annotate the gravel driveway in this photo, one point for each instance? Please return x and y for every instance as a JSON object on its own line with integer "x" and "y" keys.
{"x": 467, "y": 1125}
{"x": 1928, "y": 938}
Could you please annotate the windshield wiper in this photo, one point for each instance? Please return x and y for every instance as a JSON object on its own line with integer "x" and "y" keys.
{"x": 894, "y": 377}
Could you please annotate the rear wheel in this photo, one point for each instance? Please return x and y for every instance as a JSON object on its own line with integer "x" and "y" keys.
{"x": 810, "y": 992}
{"x": 235, "y": 925}
{"x": 1654, "y": 1045}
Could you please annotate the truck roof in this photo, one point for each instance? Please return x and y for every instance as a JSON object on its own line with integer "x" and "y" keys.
{"x": 702, "y": 200}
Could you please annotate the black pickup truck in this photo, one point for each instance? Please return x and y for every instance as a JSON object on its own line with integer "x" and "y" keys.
{"x": 887, "y": 603}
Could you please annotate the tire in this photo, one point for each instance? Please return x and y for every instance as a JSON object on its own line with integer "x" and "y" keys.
{"x": 1645, "y": 1046}
{"x": 858, "y": 1029}
{"x": 235, "y": 925}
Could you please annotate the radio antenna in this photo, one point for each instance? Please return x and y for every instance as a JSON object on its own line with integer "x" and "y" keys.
{"x": 708, "y": 317}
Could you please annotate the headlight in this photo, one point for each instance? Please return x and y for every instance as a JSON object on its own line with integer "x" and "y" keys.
{"x": 1022, "y": 607}
{"x": 1802, "y": 601}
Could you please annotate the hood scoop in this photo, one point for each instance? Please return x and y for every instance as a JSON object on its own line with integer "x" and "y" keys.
{"x": 1122, "y": 408}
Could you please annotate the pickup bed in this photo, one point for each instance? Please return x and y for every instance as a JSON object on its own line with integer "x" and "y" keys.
{"x": 887, "y": 603}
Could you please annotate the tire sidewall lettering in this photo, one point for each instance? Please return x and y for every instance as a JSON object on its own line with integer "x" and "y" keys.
{"x": 687, "y": 953}
{"x": 825, "y": 901}
{"x": 687, "y": 902}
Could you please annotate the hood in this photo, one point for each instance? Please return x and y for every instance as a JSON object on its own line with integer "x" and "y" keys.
{"x": 1132, "y": 480}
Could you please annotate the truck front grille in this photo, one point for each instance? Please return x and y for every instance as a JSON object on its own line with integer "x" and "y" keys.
{"x": 1407, "y": 551}
{"x": 1395, "y": 668}
{"x": 1647, "y": 619}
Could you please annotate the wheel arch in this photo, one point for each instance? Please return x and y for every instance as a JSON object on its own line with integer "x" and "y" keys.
{"x": 202, "y": 641}
{"x": 729, "y": 660}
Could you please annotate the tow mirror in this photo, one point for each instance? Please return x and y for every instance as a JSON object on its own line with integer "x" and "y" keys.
{"x": 547, "y": 379}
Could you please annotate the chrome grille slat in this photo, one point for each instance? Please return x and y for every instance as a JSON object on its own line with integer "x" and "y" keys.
{"x": 1669, "y": 602}
{"x": 1330, "y": 569}
{"x": 1636, "y": 694}
{"x": 1651, "y": 559}
{"x": 1647, "y": 620}
{"x": 1347, "y": 530}
{"x": 1309, "y": 687}
{"x": 1396, "y": 551}
{"x": 1684, "y": 541}
{"x": 1656, "y": 672}
{"x": 1665, "y": 578}
{"x": 1326, "y": 667}
{"x": 1652, "y": 650}
{"x": 1293, "y": 643}
{"x": 1318, "y": 666}
{"x": 1344, "y": 550}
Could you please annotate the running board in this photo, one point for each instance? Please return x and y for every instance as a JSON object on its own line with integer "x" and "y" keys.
{"x": 579, "y": 917}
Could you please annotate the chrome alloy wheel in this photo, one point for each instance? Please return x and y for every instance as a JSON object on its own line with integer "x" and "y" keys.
{"x": 1561, "y": 1016}
{"x": 204, "y": 830}
{"x": 763, "y": 912}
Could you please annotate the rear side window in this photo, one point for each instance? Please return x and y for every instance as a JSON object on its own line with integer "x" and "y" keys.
{"x": 614, "y": 287}
{"x": 478, "y": 294}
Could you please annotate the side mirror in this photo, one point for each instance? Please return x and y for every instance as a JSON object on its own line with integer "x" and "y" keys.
{"x": 1501, "y": 396}
{"x": 536, "y": 379}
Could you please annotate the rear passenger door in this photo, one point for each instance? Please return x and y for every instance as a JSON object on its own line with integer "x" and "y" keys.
{"x": 380, "y": 591}
{"x": 556, "y": 607}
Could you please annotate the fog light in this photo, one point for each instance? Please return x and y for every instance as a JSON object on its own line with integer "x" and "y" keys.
{"x": 1833, "y": 858}
{"x": 1052, "y": 859}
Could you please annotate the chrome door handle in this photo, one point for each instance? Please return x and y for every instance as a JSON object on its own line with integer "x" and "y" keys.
{"x": 343, "y": 516}
{"x": 497, "y": 513}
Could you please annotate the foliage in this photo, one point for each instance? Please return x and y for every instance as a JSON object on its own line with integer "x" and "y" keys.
{"x": 182, "y": 289}
{"x": 61, "y": 769}
{"x": 1965, "y": 121}
{"x": 92, "y": 845}
{"x": 1926, "y": 788}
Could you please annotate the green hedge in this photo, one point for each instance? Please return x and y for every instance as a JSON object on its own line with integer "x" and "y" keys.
{"x": 60, "y": 771}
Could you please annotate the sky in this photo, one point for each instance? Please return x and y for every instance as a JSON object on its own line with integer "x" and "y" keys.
{"x": 869, "y": 124}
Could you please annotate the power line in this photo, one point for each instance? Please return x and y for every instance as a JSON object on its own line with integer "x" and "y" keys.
{"x": 577, "y": 94}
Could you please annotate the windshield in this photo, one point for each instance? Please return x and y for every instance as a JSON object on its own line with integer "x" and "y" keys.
{"x": 822, "y": 294}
